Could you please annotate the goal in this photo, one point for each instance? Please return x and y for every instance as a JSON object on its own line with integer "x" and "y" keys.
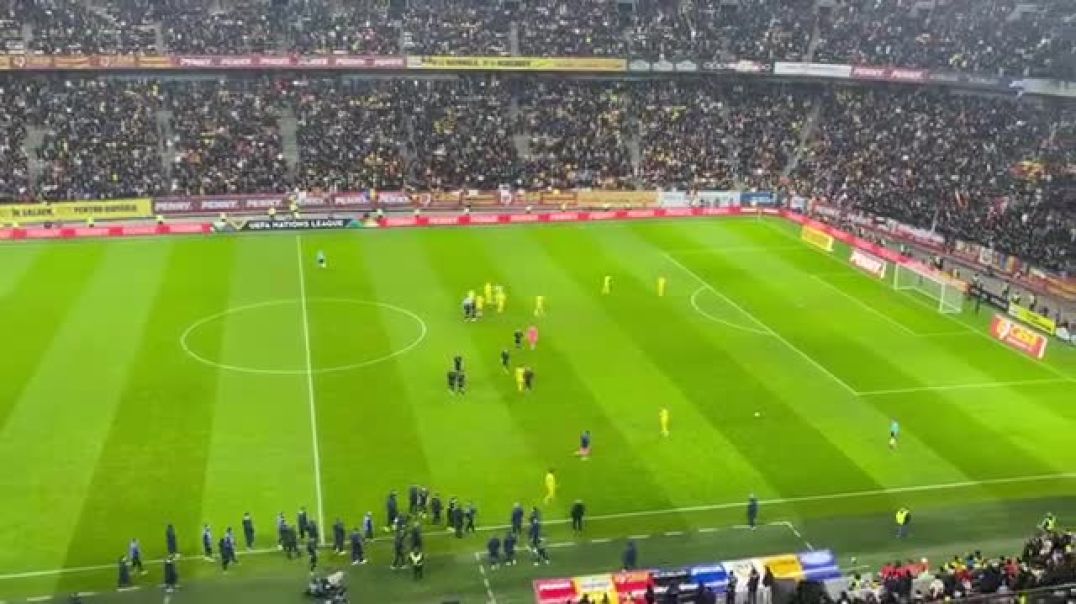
{"x": 947, "y": 292}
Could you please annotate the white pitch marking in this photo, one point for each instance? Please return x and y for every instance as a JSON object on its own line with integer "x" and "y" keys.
{"x": 790, "y": 346}
{"x": 673, "y": 533}
{"x": 796, "y": 532}
{"x": 560, "y": 544}
{"x": 638, "y": 537}
{"x": 310, "y": 390}
{"x": 698, "y": 309}
{"x": 666, "y": 511}
{"x": 183, "y": 339}
{"x": 866, "y": 306}
{"x": 974, "y": 386}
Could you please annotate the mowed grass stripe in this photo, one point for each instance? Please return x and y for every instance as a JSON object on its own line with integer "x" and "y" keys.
{"x": 720, "y": 374}
{"x": 42, "y": 296}
{"x": 626, "y": 382}
{"x": 369, "y": 440}
{"x": 56, "y": 431}
{"x": 17, "y": 262}
{"x": 153, "y": 454}
{"x": 1060, "y": 361}
{"x": 469, "y": 440}
{"x": 259, "y": 454}
{"x": 857, "y": 431}
{"x": 930, "y": 421}
{"x": 563, "y": 404}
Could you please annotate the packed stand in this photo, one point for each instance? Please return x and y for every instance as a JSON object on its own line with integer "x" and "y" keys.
{"x": 317, "y": 27}
{"x": 349, "y": 135}
{"x": 458, "y": 27}
{"x": 11, "y": 20}
{"x": 1046, "y": 561}
{"x": 768, "y": 30}
{"x": 673, "y": 34}
{"x": 245, "y": 27}
{"x": 15, "y": 104}
{"x": 963, "y": 35}
{"x": 226, "y": 137}
{"x": 572, "y": 28}
{"x": 462, "y": 134}
{"x": 697, "y": 135}
{"x": 69, "y": 27}
{"x": 942, "y": 161}
{"x": 101, "y": 139}
{"x": 577, "y": 134}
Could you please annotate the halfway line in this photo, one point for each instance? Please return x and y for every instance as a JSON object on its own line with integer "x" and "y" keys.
{"x": 310, "y": 390}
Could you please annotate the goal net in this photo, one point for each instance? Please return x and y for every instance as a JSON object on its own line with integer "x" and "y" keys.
{"x": 948, "y": 293}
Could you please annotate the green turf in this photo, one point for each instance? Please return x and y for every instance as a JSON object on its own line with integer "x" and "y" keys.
{"x": 109, "y": 428}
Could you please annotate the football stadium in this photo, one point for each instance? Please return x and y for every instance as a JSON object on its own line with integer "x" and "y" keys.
{"x": 538, "y": 301}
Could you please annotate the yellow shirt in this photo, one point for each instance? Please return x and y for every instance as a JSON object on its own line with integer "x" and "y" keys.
{"x": 550, "y": 482}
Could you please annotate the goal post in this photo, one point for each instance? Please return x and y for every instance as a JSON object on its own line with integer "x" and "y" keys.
{"x": 946, "y": 291}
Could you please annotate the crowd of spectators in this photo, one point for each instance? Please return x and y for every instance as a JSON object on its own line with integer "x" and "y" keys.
{"x": 458, "y": 27}
{"x": 577, "y": 134}
{"x": 998, "y": 171}
{"x": 964, "y": 35}
{"x": 317, "y": 27}
{"x": 1047, "y": 560}
{"x": 248, "y": 26}
{"x": 989, "y": 36}
{"x": 100, "y": 139}
{"x": 15, "y": 104}
{"x": 572, "y": 28}
{"x": 349, "y": 135}
{"x": 226, "y": 136}
{"x": 462, "y": 134}
{"x": 697, "y": 134}
{"x": 949, "y": 162}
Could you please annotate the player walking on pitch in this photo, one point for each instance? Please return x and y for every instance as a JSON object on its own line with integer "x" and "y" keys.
{"x": 539, "y": 306}
{"x": 661, "y": 287}
{"x": 894, "y": 433}
{"x": 663, "y": 419}
{"x": 550, "y": 487}
{"x": 321, "y": 260}
{"x": 607, "y": 285}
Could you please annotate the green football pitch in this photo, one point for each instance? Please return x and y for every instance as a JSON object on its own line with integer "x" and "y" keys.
{"x": 190, "y": 380}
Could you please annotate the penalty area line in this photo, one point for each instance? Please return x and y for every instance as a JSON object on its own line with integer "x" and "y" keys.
{"x": 759, "y": 322}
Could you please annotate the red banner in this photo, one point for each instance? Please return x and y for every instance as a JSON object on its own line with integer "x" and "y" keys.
{"x": 888, "y": 74}
{"x": 1015, "y": 335}
{"x": 248, "y": 204}
{"x": 106, "y": 231}
{"x": 572, "y": 216}
{"x": 186, "y": 62}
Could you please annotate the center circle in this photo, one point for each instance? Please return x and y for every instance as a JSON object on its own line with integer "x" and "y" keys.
{"x": 270, "y": 338}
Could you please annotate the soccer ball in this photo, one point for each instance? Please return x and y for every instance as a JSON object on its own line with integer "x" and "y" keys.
{"x": 758, "y": 414}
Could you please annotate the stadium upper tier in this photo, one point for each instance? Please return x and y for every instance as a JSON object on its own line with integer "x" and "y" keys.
{"x": 1007, "y": 37}
{"x": 999, "y": 171}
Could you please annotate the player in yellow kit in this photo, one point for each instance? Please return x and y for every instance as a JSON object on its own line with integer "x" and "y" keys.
{"x": 607, "y": 285}
{"x": 479, "y": 304}
{"x": 488, "y": 291}
{"x": 663, "y": 417}
{"x": 550, "y": 486}
{"x": 520, "y": 378}
{"x": 500, "y": 297}
{"x": 539, "y": 306}
{"x": 661, "y": 286}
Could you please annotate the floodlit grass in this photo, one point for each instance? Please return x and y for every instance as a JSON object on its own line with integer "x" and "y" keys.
{"x": 155, "y": 381}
